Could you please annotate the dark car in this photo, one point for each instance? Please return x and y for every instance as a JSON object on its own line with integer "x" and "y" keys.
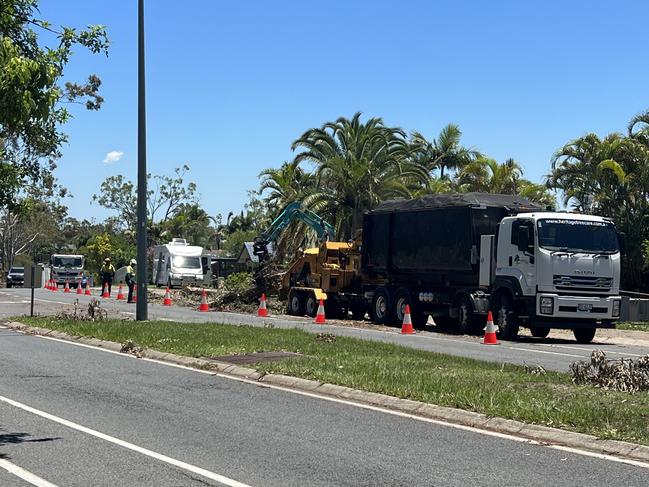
{"x": 16, "y": 277}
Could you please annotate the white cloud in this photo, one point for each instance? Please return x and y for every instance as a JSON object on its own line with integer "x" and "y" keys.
{"x": 113, "y": 156}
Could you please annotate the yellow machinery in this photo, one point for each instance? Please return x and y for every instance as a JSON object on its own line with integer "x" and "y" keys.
{"x": 330, "y": 272}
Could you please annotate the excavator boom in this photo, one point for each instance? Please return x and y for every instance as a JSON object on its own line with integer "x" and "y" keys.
{"x": 293, "y": 212}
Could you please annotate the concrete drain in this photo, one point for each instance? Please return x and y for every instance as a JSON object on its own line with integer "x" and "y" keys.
{"x": 253, "y": 358}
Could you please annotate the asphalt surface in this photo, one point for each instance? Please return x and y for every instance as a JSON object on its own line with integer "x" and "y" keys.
{"x": 243, "y": 432}
{"x": 551, "y": 353}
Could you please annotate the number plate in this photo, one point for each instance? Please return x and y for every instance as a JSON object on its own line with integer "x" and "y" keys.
{"x": 584, "y": 306}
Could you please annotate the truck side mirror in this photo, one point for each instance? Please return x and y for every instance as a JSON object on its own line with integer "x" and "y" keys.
{"x": 621, "y": 240}
{"x": 523, "y": 238}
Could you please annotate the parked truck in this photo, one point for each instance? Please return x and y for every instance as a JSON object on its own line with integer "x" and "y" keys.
{"x": 67, "y": 268}
{"x": 455, "y": 257}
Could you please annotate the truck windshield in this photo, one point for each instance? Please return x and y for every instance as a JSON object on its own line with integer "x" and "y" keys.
{"x": 187, "y": 262}
{"x": 67, "y": 262}
{"x": 578, "y": 236}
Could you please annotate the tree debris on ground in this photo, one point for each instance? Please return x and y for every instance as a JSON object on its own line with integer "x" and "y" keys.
{"x": 239, "y": 293}
{"x": 94, "y": 312}
{"x": 131, "y": 348}
{"x": 626, "y": 375}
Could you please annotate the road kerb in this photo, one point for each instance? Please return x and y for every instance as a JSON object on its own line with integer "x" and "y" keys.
{"x": 541, "y": 434}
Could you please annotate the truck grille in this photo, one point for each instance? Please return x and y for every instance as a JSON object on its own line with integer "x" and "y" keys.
{"x": 583, "y": 283}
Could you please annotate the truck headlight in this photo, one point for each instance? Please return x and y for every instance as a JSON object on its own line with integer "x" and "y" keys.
{"x": 616, "y": 308}
{"x": 547, "y": 306}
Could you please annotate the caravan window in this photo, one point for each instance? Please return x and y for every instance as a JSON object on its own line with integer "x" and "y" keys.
{"x": 183, "y": 262}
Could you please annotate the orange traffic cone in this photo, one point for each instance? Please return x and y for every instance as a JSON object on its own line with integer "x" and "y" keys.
{"x": 104, "y": 293}
{"x": 88, "y": 292}
{"x": 167, "y": 300}
{"x": 135, "y": 293}
{"x": 490, "y": 331}
{"x": 320, "y": 317}
{"x": 406, "y": 326}
{"x": 203, "y": 306}
{"x": 120, "y": 294}
{"x": 48, "y": 284}
{"x": 79, "y": 290}
{"x": 262, "y": 311}
{"x": 66, "y": 289}
{"x": 55, "y": 285}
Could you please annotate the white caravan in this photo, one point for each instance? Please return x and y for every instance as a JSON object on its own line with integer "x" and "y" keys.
{"x": 177, "y": 264}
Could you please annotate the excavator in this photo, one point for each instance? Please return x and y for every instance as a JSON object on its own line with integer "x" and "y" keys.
{"x": 326, "y": 272}
{"x": 293, "y": 212}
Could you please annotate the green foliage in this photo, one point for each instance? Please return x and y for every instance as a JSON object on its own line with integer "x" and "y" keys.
{"x": 357, "y": 165}
{"x": 234, "y": 241}
{"x": 239, "y": 282}
{"x": 32, "y": 99}
{"x": 610, "y": 177}
{"x": 165, "y": 195}
{"x": 107, "y": 245}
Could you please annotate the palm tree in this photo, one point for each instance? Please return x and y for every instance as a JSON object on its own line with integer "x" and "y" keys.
{"x": 587, "y": 170}
{"x": 284, "y": 185}
{"x": 357, "y": 165}
{"x": 488, "y": 176}
{"x": 443, "y": 153}
{"x": 610, "y": 177}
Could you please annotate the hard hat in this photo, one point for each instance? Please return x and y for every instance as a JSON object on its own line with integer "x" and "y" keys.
{"x": 107, "y": 259}
{"x": 133, "y": 262}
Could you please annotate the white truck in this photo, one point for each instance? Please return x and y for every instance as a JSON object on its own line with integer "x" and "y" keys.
{"x": 67, "y": 268}
{"x": 177, "y": 264}
{"x": 455, "y": 257}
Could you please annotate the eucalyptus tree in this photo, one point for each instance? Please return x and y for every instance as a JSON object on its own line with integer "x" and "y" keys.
{"x": 34, "y": 56}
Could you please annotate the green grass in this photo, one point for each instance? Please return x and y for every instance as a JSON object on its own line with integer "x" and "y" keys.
{"x": 630, "y": 325}
{"x": 498, "y": 390}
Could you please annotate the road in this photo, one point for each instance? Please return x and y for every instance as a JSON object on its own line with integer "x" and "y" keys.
{"x": 553, "y": 353}
{"x": 73, "y": 415}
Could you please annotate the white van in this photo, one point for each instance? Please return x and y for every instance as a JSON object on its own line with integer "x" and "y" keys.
{"x": 177, "y": 264}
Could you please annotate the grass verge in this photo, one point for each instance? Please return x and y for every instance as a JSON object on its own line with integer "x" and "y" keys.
{"x": 630, "y": 325}
{"x": 506, "y": 391}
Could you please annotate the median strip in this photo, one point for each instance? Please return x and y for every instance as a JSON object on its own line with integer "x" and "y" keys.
{"x": 529, "y": 403}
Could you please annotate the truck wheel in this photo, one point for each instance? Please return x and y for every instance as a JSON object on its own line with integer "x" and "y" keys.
{"x": 296, "y": 304}
{"x": 380, "y": 310}
{"x": 540, "y": 331}
{"x": 467, "y": 322}
{"x": 401, "y": 300}
{"x": 584, "y": 335}
{"x": 311, "y": 305}
{"x": 505, "y": 317}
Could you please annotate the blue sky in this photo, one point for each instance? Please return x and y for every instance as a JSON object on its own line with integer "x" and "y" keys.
{"x": 232, "y": 84}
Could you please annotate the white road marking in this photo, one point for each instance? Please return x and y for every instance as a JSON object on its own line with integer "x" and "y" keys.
{"x": 125, "y": 444}
{"x": 366, "y": 406}
{"x": 24, "y": 474}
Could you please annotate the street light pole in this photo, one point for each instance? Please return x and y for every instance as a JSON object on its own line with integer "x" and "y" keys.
{"x": 141, "y": 310}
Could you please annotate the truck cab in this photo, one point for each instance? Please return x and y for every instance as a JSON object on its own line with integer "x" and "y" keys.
{"x": 555, "y": 270}
{"x": 67, "y": 268}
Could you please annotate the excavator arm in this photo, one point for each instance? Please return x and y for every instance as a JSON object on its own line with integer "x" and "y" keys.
{"x": 293, "y": 212}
